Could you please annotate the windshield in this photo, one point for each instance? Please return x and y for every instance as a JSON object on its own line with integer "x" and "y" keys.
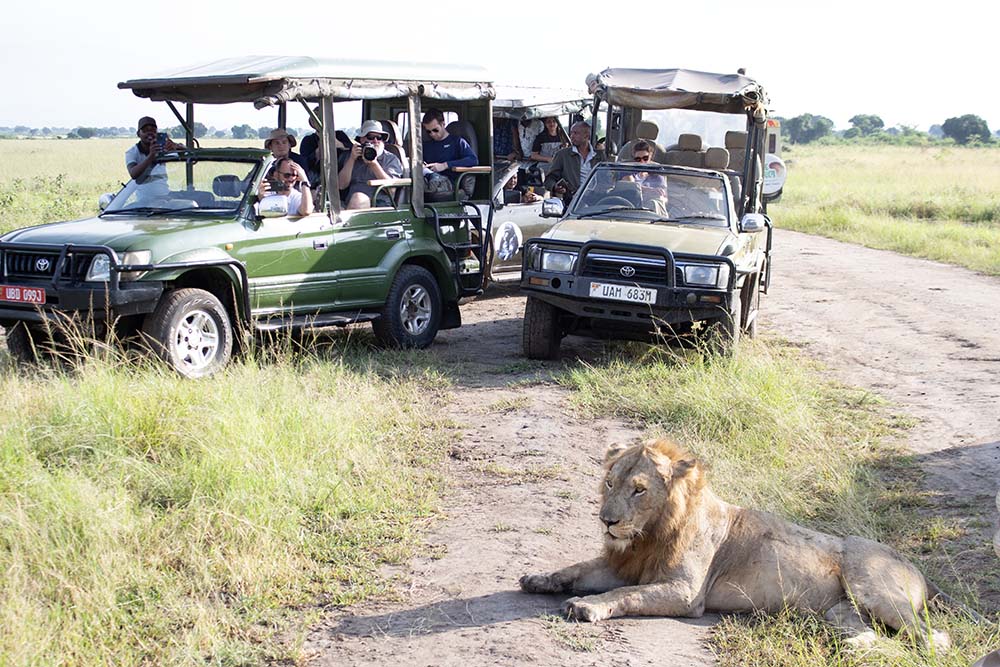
{"x": 653, "y": 194}
{"x": 215, "y": 186}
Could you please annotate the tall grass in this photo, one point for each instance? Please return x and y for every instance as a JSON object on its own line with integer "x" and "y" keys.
{"x": 777, "y": 437}
{"x": 940, "y": 203}
{"x": 146, "y": 519}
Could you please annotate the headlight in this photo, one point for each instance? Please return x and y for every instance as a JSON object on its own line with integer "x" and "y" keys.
{"x": 559, "y": 262}
{"x": 100, "y": 266}
{"x": 707, "y": 275}
{"x": 100, "y": 269}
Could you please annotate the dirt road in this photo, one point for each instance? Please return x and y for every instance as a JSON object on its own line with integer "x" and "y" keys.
{"x": 924, "y": 335}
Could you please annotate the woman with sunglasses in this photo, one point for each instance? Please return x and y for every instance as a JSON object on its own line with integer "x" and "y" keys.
{"x": 289, "y": 180}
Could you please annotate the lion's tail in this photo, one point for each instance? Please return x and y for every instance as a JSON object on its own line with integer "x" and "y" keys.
{"x": 936, "y": 594}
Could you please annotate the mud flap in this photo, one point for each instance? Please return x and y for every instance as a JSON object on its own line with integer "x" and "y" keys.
{"x": 451, "y": 318}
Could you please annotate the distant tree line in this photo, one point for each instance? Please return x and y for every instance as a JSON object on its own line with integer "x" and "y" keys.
{"x": 177, "y": 131}
{"x": 963, "y": 130}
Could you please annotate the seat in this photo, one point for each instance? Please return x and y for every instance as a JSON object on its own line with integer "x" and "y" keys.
{"x": 736, "y": 144}
{"x": 689, "y": 152}
{"x": 464, "y": 129}
{"x": 644, "y": 130}
{"x": 716, "y": 158}
{"x": 227, "y": 185}
{"x": 393, "y": 145}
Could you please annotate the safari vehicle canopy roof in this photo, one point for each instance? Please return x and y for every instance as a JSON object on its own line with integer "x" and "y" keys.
{"x": 272, "y": 80}
{"x": 677, "y": 89}
{"x": 538, "y": 102}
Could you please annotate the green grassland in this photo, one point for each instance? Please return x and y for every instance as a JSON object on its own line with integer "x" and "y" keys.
{"x": 146, "y": 519}
{"x": 940, "y": 203}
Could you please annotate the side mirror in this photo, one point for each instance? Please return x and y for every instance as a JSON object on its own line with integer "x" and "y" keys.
{"x": 273, "y": 206}
{"x": 553, "y": 208}
{"x": 105, "y": 200}
{"x": 753, "y": 223}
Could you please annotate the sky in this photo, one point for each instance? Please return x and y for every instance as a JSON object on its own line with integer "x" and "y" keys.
{"x": 914, "y": 64}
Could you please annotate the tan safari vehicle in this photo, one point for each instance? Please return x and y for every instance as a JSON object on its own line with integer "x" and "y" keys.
{"x": 670, "y": 247}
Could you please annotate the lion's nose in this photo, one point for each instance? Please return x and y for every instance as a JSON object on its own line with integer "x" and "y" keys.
{"x": 608, "y": 522}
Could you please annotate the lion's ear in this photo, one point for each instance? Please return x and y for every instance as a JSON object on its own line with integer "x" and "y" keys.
{"x": 683, "y": 467}
{"x": 614, "y": 451}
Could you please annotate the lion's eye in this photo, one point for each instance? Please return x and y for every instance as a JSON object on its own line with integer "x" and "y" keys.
{"x": 607, "y": 483}
{"x": 639, "y": 490}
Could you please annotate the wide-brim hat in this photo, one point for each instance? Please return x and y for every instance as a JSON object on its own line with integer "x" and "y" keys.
{"x": 372, "y": 126}
{"x": 277, "y": 134}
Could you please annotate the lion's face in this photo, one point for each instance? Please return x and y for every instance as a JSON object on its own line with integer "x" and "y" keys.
{"x": 634, "y": 493}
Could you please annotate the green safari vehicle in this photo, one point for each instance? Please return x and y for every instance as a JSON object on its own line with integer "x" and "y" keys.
{"x": 668, "y": 246}
{"x": 190, "y": 264}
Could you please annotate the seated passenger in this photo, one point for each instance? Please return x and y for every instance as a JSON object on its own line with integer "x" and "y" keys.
{"x": 290, "y": 181}
{"x": 527, "y": 130}
{"x": 571, "y": 166}
{"x": 548, "y": 143}
{"x": 443, "y": 152}
{"x": 358, "y": 169}
{"x": 654, "y": 194}
{"x": 280, "y": 143}
{"x": 512, "y": 194}
{"x": 312, "y": 152}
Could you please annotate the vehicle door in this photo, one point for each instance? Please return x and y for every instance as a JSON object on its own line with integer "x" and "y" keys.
{"x": 367, "y": 245}
{"x": 289, "y": 265}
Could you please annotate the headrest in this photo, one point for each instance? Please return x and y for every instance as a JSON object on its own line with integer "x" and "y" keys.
{"x": 689, "y": 142}
{"x": 393, "y": 130}
{"x": 464, "y": 129}
{"x": 736, "y": 139}
{"x": 227, "y": 185}
{"x": 716, "y": 158}
{"x": 647, "y": 130}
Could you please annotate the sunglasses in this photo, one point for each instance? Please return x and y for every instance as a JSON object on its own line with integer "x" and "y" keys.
{"x": 436, "y": 130}
{"x": 374, "y": 137}
{"x": 641, "y": 158}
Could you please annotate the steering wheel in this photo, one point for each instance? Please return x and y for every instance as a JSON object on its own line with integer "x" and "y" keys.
{"x": 608, "y": 202}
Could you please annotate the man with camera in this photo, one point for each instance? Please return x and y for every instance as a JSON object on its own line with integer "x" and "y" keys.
{"x": 368, "y": 161}
{"x": 287, "y": 178}
{"x": 140, "y": 159}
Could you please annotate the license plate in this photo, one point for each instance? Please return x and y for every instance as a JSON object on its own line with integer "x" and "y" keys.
{"x": 622, "y": 293}
{"x": 35, "y": 295}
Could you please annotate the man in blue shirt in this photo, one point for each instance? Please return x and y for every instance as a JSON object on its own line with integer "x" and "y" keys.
{"x": 444, "y": 152}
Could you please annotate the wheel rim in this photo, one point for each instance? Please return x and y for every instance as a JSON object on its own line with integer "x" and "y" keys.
{"x": 196, "y": 342}
{"x": 415, "y": 310}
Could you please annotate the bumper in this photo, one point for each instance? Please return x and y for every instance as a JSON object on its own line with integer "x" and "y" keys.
{"x": 96, "y": 302}
{"x": 674, "y": 302}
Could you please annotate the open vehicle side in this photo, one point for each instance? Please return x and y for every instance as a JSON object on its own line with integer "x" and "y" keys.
{"x": 205, "y": 260}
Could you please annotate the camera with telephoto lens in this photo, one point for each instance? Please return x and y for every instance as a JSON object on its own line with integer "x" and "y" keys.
{"x": 368, "y": 152}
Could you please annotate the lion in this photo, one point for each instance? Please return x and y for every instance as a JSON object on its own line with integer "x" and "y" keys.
{"x": 674, "y": 548}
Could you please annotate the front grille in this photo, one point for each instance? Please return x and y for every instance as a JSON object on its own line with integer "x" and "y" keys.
{"x": 648, "y": 268}
{"x": 40, "y": 265}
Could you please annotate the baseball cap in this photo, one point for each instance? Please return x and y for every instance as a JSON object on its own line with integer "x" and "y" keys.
{"x": 144, "y": 121}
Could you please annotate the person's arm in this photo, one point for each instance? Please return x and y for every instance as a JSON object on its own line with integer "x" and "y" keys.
{"x": 517, "y": 142}
{"x": 306, "y": 203}
{"x": 137, "y": 169}
{"x": 555, "y": 173}
{"x": 466, "y": 157}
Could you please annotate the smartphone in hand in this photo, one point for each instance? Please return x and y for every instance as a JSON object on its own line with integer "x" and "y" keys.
{"x": 161, "y": 139}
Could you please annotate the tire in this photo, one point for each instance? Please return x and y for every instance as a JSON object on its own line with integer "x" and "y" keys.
{"x": 27, "y": 344}
{"x": 411, "y": 315}
{"x": 751, "y": 301}
{"x": 725, "y": 333}
{"x": 542, "y": 334}
{"x": 190, "y": 330}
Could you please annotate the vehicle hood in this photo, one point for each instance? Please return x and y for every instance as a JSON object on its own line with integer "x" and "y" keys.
{"x": 118, "y": 232}
{"x": 678, "y": 238}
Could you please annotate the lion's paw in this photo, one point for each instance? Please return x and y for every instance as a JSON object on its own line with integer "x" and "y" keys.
{"x": 539, "y": 583}
{"x": 582, "y": 610}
